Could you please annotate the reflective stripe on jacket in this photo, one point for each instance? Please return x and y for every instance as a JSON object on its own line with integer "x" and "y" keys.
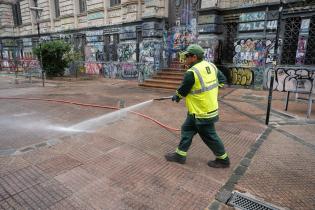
{"x": 202, "y": 101}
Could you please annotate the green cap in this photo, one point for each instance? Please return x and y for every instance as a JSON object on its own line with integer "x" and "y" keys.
{"x": 194, "y": 49}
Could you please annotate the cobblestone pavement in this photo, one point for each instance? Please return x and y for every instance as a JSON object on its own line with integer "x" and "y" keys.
{"x": 119, "y": 163}
{"x": 279, "y": 169}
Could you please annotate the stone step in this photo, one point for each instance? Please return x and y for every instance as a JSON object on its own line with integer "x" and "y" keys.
{"x": 156, "y": 85}
{"x": 170, "y": 73}
{"x": 164, "y": 81}
{"x": 174, "y": 69}
{"x": 178, "y": 66}
{"x": 168, "y": 77}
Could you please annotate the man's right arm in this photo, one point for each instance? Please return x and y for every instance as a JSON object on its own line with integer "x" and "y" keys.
{"x": 186, "y": 85}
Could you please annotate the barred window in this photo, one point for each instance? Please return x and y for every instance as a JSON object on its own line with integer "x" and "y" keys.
{"x": 82, "y": 6}
{"x": 230, "y": 32}
{"x": 110, "y": 47}
{"x": 114, "y": 2}
{"x": 290, "y": 40}
{"x": 57, "y": 9}
{"x": 310, "y": 49}
{"x": 115, "y": 42}
{"x": 16, "y": 11}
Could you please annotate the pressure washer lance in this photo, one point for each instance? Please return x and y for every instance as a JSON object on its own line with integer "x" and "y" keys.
{"x": 163, "y": 98}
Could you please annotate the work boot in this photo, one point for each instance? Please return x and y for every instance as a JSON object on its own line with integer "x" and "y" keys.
{"x": 174, "y": 157}
{"x": 219, "y": 163}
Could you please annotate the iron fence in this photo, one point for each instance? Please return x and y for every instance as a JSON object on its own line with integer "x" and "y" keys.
{"x": 28, "y": 67}
{"x": 114, "y": 69}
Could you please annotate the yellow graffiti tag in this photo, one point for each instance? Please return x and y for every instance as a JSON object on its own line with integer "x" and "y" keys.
{"x": 241, "y": 76}
{"x": 182, "y": 57}
{"x": 81, "y": 69}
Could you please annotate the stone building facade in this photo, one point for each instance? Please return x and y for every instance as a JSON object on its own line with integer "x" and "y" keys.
{"x": 116, "y": 37}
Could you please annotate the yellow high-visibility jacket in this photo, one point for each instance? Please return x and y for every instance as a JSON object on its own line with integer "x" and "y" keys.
{"x": 202, "y": 100}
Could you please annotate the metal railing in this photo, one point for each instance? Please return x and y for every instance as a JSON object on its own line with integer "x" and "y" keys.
{"x": 114, "y": 69}
{"x": 28, "y": 67}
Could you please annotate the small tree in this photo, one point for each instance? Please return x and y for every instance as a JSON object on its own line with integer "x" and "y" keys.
{"x": 75, "y": 60}
{"x": 54, "y": 59}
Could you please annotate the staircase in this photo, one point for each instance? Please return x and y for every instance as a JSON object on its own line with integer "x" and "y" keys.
{"x": 167, "y": 78}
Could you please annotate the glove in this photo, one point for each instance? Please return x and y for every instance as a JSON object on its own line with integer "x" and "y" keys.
{"x": 221, "y": 85}
{"x": 176, "y": 98}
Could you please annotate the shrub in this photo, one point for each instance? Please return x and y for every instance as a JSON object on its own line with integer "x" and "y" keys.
{"x": 54, "y": 57}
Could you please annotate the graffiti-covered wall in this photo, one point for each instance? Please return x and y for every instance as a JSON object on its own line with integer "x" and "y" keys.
{"x": 127, "y": 51}
{"x": 121, "y": 70}
{"x": 178, "y": 38}
{"x": 253, "y": 52}
{"x": 289, "y": 78}
{"x": 253, "y": 48}
{"x": 251, "y": 57}
{"x": 94, "y": 46}
{"x": 151, "y": 54}
{"x": 211, "y": 47}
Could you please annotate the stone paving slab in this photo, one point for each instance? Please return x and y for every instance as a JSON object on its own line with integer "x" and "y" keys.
{"x": 283, "y": 173}
{"x": 121, "y": 165}
{"x": 296, "y": 108}
{"x": 305, "y": 132}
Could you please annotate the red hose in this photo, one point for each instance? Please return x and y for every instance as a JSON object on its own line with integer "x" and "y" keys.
{"x": 92, "y": 105}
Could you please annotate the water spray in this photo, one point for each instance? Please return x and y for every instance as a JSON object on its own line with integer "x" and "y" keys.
{"x": 78, "y": 127}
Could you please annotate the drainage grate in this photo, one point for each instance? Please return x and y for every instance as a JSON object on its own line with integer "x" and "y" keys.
{"x": 241, "y": 201}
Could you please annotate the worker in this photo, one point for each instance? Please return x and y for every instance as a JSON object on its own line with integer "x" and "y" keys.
{"x": 200, "y": 87}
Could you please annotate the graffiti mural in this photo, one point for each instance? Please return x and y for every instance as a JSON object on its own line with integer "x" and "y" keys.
{"x": 146, "y": 71}
{"x": 93, "y": 67}
{"x": 252, "y": 16}
{"x": 29, "y": 64}
{"x": 291, "y": 78}
{"x": 209, "y": 54}
{"x": 129, "y": 70}
{"x": 178, "y": 38}
{"x": 150, "y": 52}
{"x": 26, "y": 65}
{"x": 121, "y": 70}
{"x": 181, "y": 37}
{"x": 259, "y": 25}
{"x": 258, "y": 74}
{"x": 251, "y": 53}
{"x": 211, "y": 49}
{"x": 94, "y": 52}
{"x": 111, "y": 70}
{"x": 270, "y": 48}
{"x": 127, "y": 51}
{"x": 241, "y": 76}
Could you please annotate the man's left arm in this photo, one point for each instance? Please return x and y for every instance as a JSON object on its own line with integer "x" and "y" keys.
{"x": 221, "y": 78}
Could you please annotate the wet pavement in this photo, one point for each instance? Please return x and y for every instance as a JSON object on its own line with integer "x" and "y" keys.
{"x": 117, "y": 161}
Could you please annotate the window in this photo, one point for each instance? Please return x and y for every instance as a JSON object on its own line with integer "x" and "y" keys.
{"x": 35, "y": 3}
{"x": 114, "y": 2}
{"x": 17, "y": 17}
{"x": 57, "y": 9}
{"x": 290, "y": 40}
{"x": 82, "y": 6}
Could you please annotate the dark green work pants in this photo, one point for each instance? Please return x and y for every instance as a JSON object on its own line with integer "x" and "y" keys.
{"x": 205, "y": 128}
